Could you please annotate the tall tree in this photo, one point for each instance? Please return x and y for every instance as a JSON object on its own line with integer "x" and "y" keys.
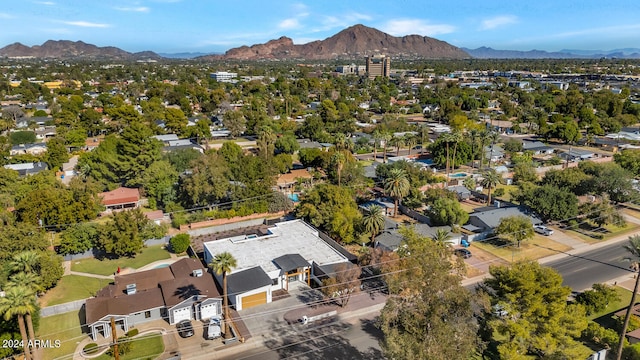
{"x": 373, "y": 220}
{"x": 515, "y": 229}
{"x": 421, "y": 321}
{"x": 235, "y": 122}
{"x": 18, "y": 301}
{"x": 633, "y": 248}
{"x": 535, "y": 317}
{"x": 344, "y": 282}
{"x": 222, "y": 264}
{"x": 397, "y": 186}
{"x": 490, "y": 179}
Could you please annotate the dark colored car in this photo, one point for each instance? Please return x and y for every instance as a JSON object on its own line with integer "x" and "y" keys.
{"x": 185, "y": 329}
{"x": 463, "y": 253}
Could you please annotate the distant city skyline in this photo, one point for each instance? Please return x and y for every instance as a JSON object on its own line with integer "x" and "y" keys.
{"x": 206, "y": 26}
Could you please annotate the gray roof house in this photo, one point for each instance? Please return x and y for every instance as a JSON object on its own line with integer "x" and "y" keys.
{"x": 27, "y": 168}
{"x": 183, "y": 290}
{"x": 537, "y": 147}
{"x": 462, "y": 192}
{"x": 390, "y": 239}
{"x": 483, "y": 223}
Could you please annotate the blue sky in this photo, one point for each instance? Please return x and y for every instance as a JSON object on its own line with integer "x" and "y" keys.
{"x": 218, "y": 25}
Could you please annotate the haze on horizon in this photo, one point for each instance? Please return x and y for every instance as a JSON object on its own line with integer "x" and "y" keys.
{"x": 172, "y": 26}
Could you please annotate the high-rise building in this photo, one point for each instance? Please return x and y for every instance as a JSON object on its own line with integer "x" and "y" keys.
{"x": 378, "y": 65}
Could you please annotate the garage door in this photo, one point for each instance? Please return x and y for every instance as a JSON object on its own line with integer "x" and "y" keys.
{"x": 253, "y": 300}
{"x": 181, "y": 314}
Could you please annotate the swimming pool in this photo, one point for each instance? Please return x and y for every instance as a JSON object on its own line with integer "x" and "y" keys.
{"x": 293, "y": 197}
{"x": 161, "y": 266}
{"x": 458, "y": 175}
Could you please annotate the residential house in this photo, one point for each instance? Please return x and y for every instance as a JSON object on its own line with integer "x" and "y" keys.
{"x": 121, "y": 198}
{"x": 286, "y": 182}
{"x": 287, "y": 252}
{"x": 482, "y": 223}
{"x": 387, "y": 205}
{"x": 494, "y": 153}
{"x": 390, "y": 238}
{"x": 461, "y": 192}
{"x": 180, "y": 144}
{"x": 45, "y": 132}
{"x": 27, "y": 168}
{"x": 182, "y": 291}
{"x": 537, "y": 147}
{"x": 31, "y": 149}
{"x": 92, "y": 142}
{"x": 576, "y": 154}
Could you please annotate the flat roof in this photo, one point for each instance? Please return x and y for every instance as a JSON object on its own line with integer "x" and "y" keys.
{"x": 288, "y": 237}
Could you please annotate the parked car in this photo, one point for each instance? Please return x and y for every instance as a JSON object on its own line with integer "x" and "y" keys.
{"x": 463, "y": 253}
{"x": 185, "y": 329}
{"x": 541, "y": 229}
{"x": 213, "y": 330}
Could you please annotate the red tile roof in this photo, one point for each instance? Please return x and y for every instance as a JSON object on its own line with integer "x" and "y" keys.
{"x": 120, "y": 195}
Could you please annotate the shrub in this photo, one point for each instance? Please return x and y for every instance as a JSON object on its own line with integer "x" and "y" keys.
{"x": 600, "y": 336}
{"x": 90, "y": 348}
{"x": 133, "y": 332}
{"x": 180, "y": 243}
{"x": 178, "y": 219}
{"x": 631, "y": 351}
{"x": 598, "y": 298}
{"x": 499, "y": 192}
{"x": 125, "y": 345}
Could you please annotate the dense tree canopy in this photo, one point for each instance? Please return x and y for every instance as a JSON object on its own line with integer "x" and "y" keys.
{"x": 535, "y": 318}
{"x": 332, "y": 208}
{"x": 429, "y": 314}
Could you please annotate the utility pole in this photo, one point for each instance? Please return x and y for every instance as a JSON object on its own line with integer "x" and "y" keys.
{"x": 114, "y": 336}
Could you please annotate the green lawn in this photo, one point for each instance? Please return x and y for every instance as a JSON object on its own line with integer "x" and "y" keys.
{"x": 143, "y": 347}
{"x": 73, "y": 287}
{"x": 605, "y": 317}
{"x": 109, "y": 267}
{"x": 536, "y": 248}
{"x": 64, "y": 327}
{"x": 611, "y": 231}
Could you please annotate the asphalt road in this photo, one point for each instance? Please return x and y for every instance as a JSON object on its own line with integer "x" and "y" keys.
{"x": 591, "y": 267}
{"x": 341, "y": 339}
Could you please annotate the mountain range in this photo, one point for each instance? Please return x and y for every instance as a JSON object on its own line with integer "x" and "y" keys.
{"x": 354, "y": 42}
{"x": 489, "y": 53}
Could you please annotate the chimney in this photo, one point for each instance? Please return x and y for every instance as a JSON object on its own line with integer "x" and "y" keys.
{"x": 197, "y": 273}
{"x": 131, "y": 289}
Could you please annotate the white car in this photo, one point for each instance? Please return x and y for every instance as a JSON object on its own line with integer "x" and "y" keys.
{"x": 541, "y": 229}
{"x": 213, "y": 330}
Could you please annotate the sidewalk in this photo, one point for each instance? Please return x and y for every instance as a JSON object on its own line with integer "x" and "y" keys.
{"x": 579, "y": 249}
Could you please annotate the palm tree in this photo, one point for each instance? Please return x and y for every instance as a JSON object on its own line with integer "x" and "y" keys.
{"x": 474, "y": 135}
{"x": 424, "y": 133}
{"x": 397, "y": 141}
{"x": 441, "y": 236}
{"x": 338, "y": 159}
{"x": 18, "y": 301}
{"x": 633, "y": 247}
{"x": 490, "y": 179}
{"x": 342, "y": 142}
{"x": 447, "y": 138}
{"x": 410, "y": 140}
{"x": 456, "y": 138}
{"x": 222, "y": 264}
{"x": 373, "y": 220}
{"x": 385, "y": 138}
{"x": 376, "y": 139}
{"x": 25, "y": 261}
{"x": 484, "y": 138}
{"x": 397, "y": 186}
